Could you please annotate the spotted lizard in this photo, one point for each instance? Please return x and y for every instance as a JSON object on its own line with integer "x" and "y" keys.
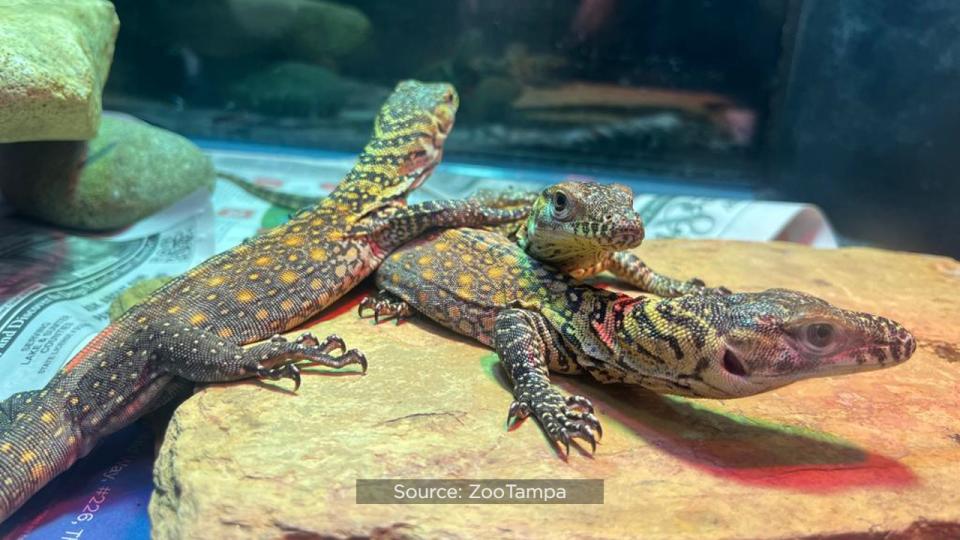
{"x": 193, "y": 328}
{"x": 712, "y": 344}
{"x": 581, "y": 228}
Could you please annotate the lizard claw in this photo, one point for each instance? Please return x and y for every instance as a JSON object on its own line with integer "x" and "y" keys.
{"x": 518, "y": 410}
{"x": 290, "y": 371}
{"x": 562, "y": 419}
{"x": 385, "y": 305}
{"x": 368, "y": 302}
{"x": 580, "y": 402}
{"x": 330, "y": 343}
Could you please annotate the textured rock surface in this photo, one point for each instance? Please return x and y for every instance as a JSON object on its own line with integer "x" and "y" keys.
{"x": 326, "y": 30}
{"x": 54, "y": 61}
{"x": 292, "y": 88}
{"x": 870, "y": 453}
{"x": 129, "y": 171}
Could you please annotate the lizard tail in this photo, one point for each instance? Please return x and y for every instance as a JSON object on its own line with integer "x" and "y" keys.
{"x": 37, "y": 443}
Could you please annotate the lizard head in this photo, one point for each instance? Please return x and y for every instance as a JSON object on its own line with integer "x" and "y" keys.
{"x": 409, "y": 133}
{"x": 576, "y": 224}
{"x": 755, "y": 342}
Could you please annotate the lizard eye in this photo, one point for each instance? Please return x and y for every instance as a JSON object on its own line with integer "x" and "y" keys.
{"x": 818, "y": 337}
{"x": 562, "y": 209}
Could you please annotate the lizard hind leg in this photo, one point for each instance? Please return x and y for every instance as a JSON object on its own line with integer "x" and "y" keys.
{"x": 199, "y": 355}
{"x": 384, "y": 306}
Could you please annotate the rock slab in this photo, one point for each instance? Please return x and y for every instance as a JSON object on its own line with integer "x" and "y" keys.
{"x": 875, "y": 455}
{"x": 54, "y": 60}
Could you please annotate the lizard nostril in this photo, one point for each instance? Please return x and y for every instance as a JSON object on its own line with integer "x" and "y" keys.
{"x": 732, "y": 364}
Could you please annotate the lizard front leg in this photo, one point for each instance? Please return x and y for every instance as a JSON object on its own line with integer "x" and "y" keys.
{"x": 409, "y": 222}
{"x": 630, "y": 268}
{"x": 528, "y": 347}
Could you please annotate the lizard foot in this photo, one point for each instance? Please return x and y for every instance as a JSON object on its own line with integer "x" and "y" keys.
{"x": 280, "y": 358}
{"x": 385, "y": 305}
{"x": 669, "y": 287}
{"x": 561, "y": 419}
{"x": 329, "y": 343}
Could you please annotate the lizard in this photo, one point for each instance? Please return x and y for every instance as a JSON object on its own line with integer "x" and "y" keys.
{"x": 579, "y": 227}
{"x": 711, "y": 344}
{"x": 195, "y": 327}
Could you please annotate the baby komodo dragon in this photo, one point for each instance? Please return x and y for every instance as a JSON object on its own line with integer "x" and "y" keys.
{"x": 193, "y": 327}
{"x": 709, "y": 344}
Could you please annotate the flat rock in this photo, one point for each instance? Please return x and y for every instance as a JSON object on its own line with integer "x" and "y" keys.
{"x": 876, "y": 454}
{"x": 54, "y": 57}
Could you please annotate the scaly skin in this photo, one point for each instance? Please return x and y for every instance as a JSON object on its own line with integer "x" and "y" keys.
{"x": 193, "y": 328}
{"x": 484, "y": 286}
{"x": 581, "y": 228}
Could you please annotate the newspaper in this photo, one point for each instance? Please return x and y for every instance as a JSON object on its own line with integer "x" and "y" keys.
{"x": 56, "y": 287}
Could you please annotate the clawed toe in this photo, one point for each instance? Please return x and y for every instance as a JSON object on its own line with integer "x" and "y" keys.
{"x": 329, "y": 344}
{"x": 562, "y": 419}
{"x": 518, "y": 410}
{"x": 383, "y": 307}
{"x": 580, "y": 403}
{"x": 289, "y": 371}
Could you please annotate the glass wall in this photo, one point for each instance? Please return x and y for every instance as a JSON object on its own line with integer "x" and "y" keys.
{"x": 846, "y": 104}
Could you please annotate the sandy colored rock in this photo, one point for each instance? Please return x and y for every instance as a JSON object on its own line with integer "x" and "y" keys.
{"x": 54, "y": 61}
{"x": 128, "y": 171}
{"x": 868, "y": 453}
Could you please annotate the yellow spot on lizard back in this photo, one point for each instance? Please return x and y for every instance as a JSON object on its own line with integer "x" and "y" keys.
{"x": 495, "y": 272}
{"x": 286, "y": 305}
{"x": 428, "y": 274}
{"x": 318, "y": 254}
{"x": 288, "y": 277}
{"x": 173, "y": 309}
{"x": 262, "y": 314}
{"x": 27, "y": 456}
{"x": 316, "y": 284}
{"x": 225, "y": 332}
{"x": 47, "y": 417}
{"x": 263, "y": 261}
{"x": 244, "y": 295}
{"x": 425, "y": 260}
{"x": 254, "y": 276}
{"x": 215, "y": 280}
{"x": 5, "y": 447}
{"x": 465, "y": 280}
{"x": 441, "y": 246}
{"x": 293, "y": 241}
{"x": 197, "y": 318}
